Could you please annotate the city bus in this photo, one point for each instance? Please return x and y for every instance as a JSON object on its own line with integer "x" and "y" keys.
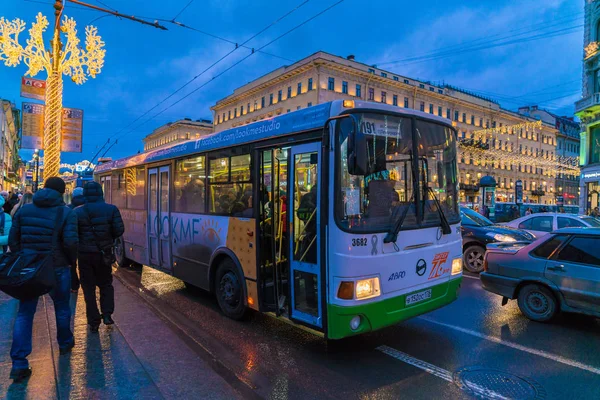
{"x": 341, "y": 218}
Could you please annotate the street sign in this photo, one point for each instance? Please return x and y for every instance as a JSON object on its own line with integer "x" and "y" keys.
{"x": 33, "y": 126}
{"x": 33, "y": 88}
{"x": 519, "y": 192}
{"x": 29, "y": 175}
{"x": 72, "y": 128}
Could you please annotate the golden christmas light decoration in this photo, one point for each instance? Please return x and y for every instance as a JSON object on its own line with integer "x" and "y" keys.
{"x": 72, "y": 61}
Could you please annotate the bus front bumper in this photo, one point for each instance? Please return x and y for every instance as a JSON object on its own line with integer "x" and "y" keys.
{"x": 387, "y": 312}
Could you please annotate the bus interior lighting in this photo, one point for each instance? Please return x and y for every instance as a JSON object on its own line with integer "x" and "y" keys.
{"x": 456, "y": 266}
{"x": 367, "y": 288}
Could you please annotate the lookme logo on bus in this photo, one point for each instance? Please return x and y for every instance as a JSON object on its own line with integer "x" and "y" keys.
{"x": 438, "y": 265}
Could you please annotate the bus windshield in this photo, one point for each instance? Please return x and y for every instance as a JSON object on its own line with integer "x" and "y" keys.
{"x": 411, "y": 162}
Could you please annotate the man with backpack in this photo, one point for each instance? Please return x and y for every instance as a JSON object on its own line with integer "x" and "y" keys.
{"x": 46, "y": 225}
{"x": 99, "y": 225}
{"x": 76, "y": 201}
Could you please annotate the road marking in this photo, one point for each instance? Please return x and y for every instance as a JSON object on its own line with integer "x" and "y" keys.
{"x": 437, "y": 371}
{"x": 471, "y": 277}
{"x": 540, "y": 353}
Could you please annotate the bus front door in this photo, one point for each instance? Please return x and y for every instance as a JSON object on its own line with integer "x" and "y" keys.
{"x": 159, "y": 223}
{"x": 304, "y": 222}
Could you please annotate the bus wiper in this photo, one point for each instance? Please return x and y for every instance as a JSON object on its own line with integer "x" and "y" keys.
{"x": 392, "y": 235}
{"x": 446, "y": 230}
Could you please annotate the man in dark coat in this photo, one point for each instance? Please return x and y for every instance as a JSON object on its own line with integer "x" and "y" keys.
{"x": 32, "y": 229}
{"x": 99, "y": 225}
{"x": 76, "y": 201}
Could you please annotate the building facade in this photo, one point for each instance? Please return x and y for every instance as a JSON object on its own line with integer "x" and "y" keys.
{"x": 178, "y": 131}
{"x": 493, "y": 141}
{"x": 10, "y": 131}
{"x": 567, "y": 151}
{"x": 588, "y": 110}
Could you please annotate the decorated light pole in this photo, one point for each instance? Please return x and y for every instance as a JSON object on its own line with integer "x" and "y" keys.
{"x": 69, "y": 60}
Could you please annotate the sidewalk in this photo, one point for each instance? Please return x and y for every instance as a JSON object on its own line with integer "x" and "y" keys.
{"x": 138, "y": 358}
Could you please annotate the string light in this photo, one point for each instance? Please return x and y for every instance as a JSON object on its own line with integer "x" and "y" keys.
{"x": 72, "y": 61}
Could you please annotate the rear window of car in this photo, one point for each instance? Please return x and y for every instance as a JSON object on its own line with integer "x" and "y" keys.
{"x": 566, "y": 222}
{"x": 592, "y": 221}
{"x": 546, "y": 249}
{"x": 581, "y": 250}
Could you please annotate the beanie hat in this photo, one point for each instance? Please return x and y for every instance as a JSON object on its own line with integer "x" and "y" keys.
{"x": 78, "y": 191}
{"x": 55, "y": 183}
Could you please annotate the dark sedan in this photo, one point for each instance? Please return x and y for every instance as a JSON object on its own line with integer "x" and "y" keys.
{"x": 478, "y": 232}
{"x": 559, "y": 272}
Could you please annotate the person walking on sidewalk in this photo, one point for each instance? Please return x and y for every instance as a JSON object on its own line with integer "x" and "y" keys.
{"x": 76, "y": 201}
{"x": 32, "y": 228}
{"x": 5, "y": 224}
{"x": 27, "y": 198}
{"x": 99, "y": 225}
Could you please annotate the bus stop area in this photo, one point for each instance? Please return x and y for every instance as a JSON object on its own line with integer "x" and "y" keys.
{"x": 139, "y": 357}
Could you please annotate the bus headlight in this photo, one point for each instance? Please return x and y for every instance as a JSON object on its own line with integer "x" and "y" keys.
{"x": 456, "y": 266}
{"x": 367, "y": 288}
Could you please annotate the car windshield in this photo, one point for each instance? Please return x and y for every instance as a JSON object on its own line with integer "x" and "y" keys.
{"x": 409, "y": 161}
{"x": 470, "y": 217}
{"x": 591, "y": 221}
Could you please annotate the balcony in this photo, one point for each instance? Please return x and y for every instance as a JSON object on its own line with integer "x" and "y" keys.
{"x": 584, "y": 104}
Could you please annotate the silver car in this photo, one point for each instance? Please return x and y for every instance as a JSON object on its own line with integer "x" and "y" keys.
{"x": 541, "y": 224}
{"x": 560, "y": 272}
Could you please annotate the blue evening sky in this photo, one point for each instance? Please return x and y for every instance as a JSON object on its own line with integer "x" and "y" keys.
{"x": 144, "y": 65}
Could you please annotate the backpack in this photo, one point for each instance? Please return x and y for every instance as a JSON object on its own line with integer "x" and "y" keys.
{"x": 28, "y": 274}
{"x": 2, "y": 225}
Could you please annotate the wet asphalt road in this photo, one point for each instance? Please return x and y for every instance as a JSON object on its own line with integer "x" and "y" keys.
{"x": 472, "y": 346}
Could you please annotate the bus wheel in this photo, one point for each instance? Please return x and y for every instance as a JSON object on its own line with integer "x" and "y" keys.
{"x": 122, "y": 261}
{"x": 229, "y": 290}
{"x": 473, "y": 259}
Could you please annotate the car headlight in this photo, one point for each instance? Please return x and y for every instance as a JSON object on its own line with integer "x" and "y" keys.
{"x": 456, "y": 266}
{"x": 367, "y": 288}
{"x": 501, "y": 238}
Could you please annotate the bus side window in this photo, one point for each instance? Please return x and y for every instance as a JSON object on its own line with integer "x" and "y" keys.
{"x": 190, "y": 180}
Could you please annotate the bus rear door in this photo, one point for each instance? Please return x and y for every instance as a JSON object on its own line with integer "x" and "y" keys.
{"x": 159, "y": 221}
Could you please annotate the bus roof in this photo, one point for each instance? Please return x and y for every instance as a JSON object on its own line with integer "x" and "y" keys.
{"x": 301, "y": 120}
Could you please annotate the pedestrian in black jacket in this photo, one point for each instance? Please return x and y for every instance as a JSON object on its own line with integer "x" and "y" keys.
{"x": 76, "y": 201}
{"x": 99, "y": 225}
{"x": 32, "y": 228}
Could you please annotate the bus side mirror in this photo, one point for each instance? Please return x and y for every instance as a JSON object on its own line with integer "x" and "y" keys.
{"x": 357, "y": 151}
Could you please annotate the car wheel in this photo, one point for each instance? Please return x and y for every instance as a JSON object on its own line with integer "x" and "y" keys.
{"x": 229, "y": 290}
{"x": 473, "y": 258}
{"x": 537, "y": 303}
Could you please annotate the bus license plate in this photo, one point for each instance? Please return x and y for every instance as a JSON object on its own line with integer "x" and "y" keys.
{"x": 417, "y": 297}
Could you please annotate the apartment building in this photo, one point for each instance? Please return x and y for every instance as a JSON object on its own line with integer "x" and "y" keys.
{"x": 494, "y": 141}
{"x": 10, "y": 130}
{"x": 179, "y": 131}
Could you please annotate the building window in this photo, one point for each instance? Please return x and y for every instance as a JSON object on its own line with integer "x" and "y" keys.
{"x": 440, "y": 91}
{"x": 299, "y": 90}
{"x": 448, "y": 113}
{"x": 288, "y": 110}
{"x": 310, "y": 84}
{"x": 481, "y": 122}
{"x": 219, "y": 120}
{"x": 248, "y": 108}
{"x": 407, "y": 81}
{"x": 422, "y": 86}
{"x": 255, "y": 103}
{"x": 279, "y": 95}
{"x": 456, "y": 115}
{"x": 358, "y": 91}
{"x": 406, "y": 102}
{"x": 371, "y": 71}
{"x": 472, "y": 120}
{"x": 383, "y": 97}
{"x": 440, "y": 111}
{"x": 487, "y": 123}
{"x": 271, "y": 99}
{"x": 371, "y": 94}
{"x": 235, "y": 112}
{"x": 309, "y": 104}
{"x": 344, "y": 87}
{"x": 241, "y": 110}
{"x": 431, "y": 109}
{"x": 229, "y": 115}
{"x": 289, "y": 93}
{"x": 464, "y": 118}
{"x": 262, "y": 102}
{"x": 331, "y": 84}
{"x": 223, "y": 117}
{"x": 493, "y": 124}
{"x": 298, "y": 107}
{"x": 395, "y": 78}
{"x": 395, "y": 100}
{"x": 383, "y": 74}
{"x": 431, "y": 89}
{"x": 422, "y": 106}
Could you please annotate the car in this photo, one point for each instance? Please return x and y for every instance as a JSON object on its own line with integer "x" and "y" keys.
{"x": 559, "y": 272}
{"x": 542, "y": 224}
{"x": 478, "y": 231}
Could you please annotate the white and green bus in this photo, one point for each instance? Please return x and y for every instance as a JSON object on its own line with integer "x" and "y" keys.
{"x": 341, "y": 218}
